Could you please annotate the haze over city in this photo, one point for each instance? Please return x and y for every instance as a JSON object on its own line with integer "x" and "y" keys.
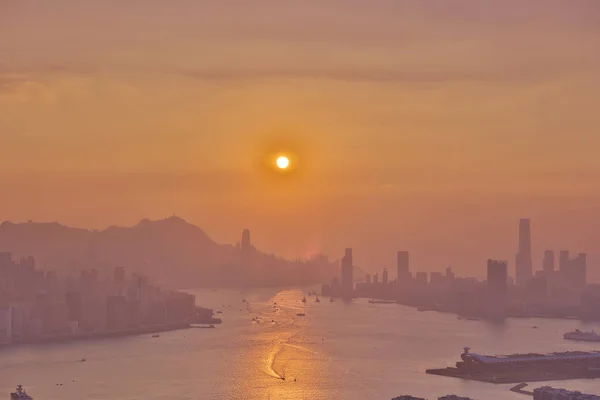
{"x": 416, "y": 124}
{"x": 311, "y": 199}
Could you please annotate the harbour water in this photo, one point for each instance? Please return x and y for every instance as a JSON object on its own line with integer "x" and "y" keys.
{"x": 263, "y": 351}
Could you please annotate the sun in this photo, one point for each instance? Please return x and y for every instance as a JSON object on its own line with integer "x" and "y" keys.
{"x": 282, "y": 162}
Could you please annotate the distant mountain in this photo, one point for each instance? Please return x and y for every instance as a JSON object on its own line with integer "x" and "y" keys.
{"x": 170, "y": 251}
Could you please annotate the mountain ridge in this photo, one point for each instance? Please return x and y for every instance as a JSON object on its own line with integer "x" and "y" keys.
{"x": 169, "y": 250}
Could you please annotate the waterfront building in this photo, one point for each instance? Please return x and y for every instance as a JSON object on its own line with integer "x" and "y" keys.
{"x": 523, "y": 263}
{"x": 347, "y": 273}
{"x": 548, "y": 263}
{"x": 384, "y": 277}
{"x": 497, "y": 277}
{"x": 402, "y": 267}
{"x": 5, "y": 324}
{"x": 421, "y": 278}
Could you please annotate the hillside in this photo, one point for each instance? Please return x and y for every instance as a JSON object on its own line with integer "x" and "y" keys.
{"x": 170, "y": 251}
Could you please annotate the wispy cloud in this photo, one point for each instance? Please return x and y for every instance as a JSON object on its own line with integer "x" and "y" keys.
{"x": 357, "y": 74}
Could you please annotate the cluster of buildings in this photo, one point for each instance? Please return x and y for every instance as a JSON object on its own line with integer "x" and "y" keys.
{"x": 37, "y": 305}
{"x": 553, "y": 291}
{"x": 447, "y": 397}
{"x": 548, "y": 393}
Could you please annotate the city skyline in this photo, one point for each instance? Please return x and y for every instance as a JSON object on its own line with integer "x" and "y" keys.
{"x": 294, "y": 199}
{"x": 391, "y": 123}
{"x": 542, "y": 261}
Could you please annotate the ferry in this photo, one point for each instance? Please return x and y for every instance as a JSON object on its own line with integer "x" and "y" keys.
{"x": 590, "y": 336}
{"x": 20, "y": 394}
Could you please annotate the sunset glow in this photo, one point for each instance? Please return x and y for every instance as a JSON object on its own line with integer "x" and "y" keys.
{"x": 283, "y": 162}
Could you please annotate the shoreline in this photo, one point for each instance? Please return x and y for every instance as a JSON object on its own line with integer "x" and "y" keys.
{"x": 483, "y": 317}
{"x": 148, "y": 329}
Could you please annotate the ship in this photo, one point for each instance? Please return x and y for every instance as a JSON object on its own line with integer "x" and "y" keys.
{"x": 591, "y": 336}
{"x": 304, "y": 299}
{"x": 516, "y": 368}
{"x": 317, "y": 300}
{"x": 20, "y": 394}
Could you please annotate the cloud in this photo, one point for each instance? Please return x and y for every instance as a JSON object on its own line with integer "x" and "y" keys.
{"x": 32, "y": 83}
{"x": 21, "y": 89}
{"x": 375, "y": 75}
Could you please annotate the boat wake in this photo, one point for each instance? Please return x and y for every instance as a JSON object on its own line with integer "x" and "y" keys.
{"x": 271, "y": 362}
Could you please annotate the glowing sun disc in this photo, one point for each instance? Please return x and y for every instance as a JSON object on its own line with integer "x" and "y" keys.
{"x": 283, "y": 162}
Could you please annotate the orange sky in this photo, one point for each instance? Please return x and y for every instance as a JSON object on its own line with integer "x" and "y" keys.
{"x": 415, "y": 124}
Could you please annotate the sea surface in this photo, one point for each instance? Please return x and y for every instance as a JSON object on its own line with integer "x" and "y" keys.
{"x": 349, "y": 351}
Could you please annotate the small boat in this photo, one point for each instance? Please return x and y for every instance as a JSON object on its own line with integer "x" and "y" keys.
{"x": 304, "y": 299}
{"x": 83, "y": 360}
{"x": 20, "y": 394}
{"x": 472, "y": 319}
{"x": 317, "y": 300}
{"x": 155, "y": 336}
{"x": 204, "y": 326}
{"x": 331, "y": 300}
{"x": 301, "y": 314}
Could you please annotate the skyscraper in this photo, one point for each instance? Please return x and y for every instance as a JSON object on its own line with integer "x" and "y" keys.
{"x": 523, "y": 264}
{"x": 384, "y": 277}
{"x": 497, "y": 277}
{"x": 246, "y": 245}
{"x": 347, "y": 273}
{"x": 548, "y": 264}
{"x": 578, "y": 271}
{"x": 402, "y": 266}
{"x": 563, "y": 260}
{"x": 497, "y": 282}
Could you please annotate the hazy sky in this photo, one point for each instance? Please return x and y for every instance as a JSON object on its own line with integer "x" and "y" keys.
{"x": 426, "y": 125}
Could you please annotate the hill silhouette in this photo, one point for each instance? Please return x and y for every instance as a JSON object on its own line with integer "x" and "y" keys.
{"x": 172, "y": 252}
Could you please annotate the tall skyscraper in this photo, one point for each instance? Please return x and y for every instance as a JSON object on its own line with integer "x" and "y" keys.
{"x": 523, "y": 264}
{"x": 384, "y": 276}
{"x": 548, "y": 264}
{"x": 246, "y": 245}
{"x": 347, "y": 273}
{"x": 402, "y": 266}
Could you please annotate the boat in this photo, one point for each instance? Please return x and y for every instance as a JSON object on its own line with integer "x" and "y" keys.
{"x": 590, "y": 336}
{"x": 516, "y": 368}
{"x": 301, "y": 314}
{"x": 304, "y": 299}
{"x": 373, "y": 301}
{"x": 331, "y": 300}
{"x": 20, "y": 394}
{"x": 317, "y": 299}
{"x": 155, "y": 336}
{"x": 204, "y": 326}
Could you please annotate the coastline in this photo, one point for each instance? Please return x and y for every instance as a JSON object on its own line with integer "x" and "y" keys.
{"x": 148, "y": 329}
